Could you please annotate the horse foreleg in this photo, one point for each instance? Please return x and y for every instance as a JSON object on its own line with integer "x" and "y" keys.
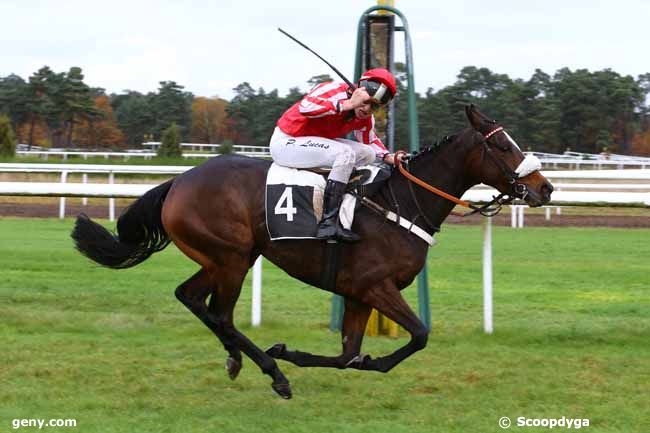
{"x": 388, "y": 300}
{"x": 354, "y": 324}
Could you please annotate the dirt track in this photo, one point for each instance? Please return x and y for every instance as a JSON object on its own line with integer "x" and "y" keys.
{"x": 51, "y": 210}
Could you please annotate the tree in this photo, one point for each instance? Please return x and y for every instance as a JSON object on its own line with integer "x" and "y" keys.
{"x": 40, "y": 107}
{"x": 170, "y": 146}
{"x": 77, "y": 103}
{"x": 7, "y": 138}
{"x": 226, "y": 148}
{"x": 252, "y": 115}
{"x": 172, "y": 105}
{"x": 100, "y": 131}
{"x": 317, "y": 79}
{"x": 60, "y": 100}
{"x": 540, "y": 122}
{"x": 591, "y": 102}
{"x": 13, "y": 99}
{"x": 208, "y": 120}
{"x": 135, "y": 116}
{"x": 641, "y": 144}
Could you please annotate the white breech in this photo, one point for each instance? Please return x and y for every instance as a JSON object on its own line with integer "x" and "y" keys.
{"x": 308, "y": 152}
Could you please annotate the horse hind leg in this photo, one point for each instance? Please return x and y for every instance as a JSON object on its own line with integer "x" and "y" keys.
{"x": 226, "y": 265}
{"x": 193, "y": 294}
{"x": 229, "y": 279}
{"x": 234, "y": 362}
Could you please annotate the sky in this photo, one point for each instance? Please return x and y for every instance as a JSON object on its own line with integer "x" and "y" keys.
{"x": 212, "y": 46}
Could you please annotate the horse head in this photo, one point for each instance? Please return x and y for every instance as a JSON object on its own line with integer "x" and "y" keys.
{"x": 498, "y": 161}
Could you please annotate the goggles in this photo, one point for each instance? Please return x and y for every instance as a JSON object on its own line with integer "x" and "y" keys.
{"x": 378, "y": 92}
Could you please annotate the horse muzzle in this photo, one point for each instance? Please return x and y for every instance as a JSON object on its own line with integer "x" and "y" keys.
{"x": 539, "y": 196}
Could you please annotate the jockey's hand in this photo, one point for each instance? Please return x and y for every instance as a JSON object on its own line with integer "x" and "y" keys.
{"x": 389, "y": 159}
{"x": 359, "y": 98}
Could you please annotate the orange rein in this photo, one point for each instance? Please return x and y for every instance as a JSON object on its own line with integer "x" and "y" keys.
{"x": 423, "y": 184}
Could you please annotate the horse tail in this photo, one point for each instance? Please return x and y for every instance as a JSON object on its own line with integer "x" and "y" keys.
{"x": 140, "y": 233}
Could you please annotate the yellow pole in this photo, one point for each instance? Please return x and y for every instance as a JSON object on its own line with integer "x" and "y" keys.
{"x": 378, "y": 324}
{"x": 372, "y": 326}
{"x": 389, "y": 3}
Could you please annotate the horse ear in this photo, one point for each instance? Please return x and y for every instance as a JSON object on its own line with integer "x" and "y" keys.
{"x": 472, "y": 116}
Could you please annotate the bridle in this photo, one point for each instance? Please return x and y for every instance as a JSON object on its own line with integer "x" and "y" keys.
{"x": 492, "y": 208}
{"x": 517, "y": 189}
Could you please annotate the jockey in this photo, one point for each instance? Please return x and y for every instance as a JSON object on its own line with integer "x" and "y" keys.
{"x": 309, "y": 134}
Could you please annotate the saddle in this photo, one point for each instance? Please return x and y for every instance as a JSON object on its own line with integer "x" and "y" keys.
{"x": 294, "y": 198}
{"x": 364, "y": 181}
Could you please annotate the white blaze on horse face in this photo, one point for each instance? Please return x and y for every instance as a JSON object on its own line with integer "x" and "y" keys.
{"x": 514, "y": 143}
{"x": 529, "y": 165}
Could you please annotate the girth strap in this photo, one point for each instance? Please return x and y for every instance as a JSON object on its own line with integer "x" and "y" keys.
{"x": 400, "y": 220}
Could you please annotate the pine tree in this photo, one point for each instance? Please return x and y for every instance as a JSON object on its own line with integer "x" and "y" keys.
{"x": 171, "y": 142}
{"x": 226, "y": 147}
{"x": 7, "y": 138}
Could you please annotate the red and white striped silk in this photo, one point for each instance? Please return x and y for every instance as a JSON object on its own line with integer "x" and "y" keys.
{"x": 316, "y": 115}
{"x": 322, "y": 100}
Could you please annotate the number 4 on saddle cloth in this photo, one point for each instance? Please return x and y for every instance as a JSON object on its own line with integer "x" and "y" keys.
{"x": 294, "y": 199}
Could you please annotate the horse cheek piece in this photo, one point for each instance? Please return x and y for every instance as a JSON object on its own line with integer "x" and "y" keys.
{"x": 214, "y": 213}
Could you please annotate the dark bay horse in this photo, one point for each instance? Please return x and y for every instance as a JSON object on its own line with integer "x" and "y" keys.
{"x": 214, "y": 213}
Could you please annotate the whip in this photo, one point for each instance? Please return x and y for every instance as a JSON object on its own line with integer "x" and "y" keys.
{"x": 348, "y": 82}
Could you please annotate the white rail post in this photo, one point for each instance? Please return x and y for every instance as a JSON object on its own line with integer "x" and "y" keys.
{"x": 487, "y": 275}
{"x": 547, "y": 213}
{"x": 520, "y": 217}
{"x": 256, "y": 298}
{"x": 84, "y": 179}
{"x": 513, "y": 216}
{"x": 64, "y": 178}
{"x": 111, "y": 201}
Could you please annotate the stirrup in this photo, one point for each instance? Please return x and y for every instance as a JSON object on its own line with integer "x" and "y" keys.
{"x": 336, "y": 232}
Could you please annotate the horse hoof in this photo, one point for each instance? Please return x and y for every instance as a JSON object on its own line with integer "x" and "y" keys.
{"x": 358, "y": 361}
{"x": 233, "y": 367}
{"x": 283, "y": 389}
{"x": 277, "y": 350}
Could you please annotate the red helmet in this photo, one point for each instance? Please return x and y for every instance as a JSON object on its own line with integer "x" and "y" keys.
{"x": 369, "y": 81}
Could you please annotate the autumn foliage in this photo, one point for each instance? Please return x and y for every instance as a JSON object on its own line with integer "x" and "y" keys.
{"x": 586, "y": 111}
{"x": 34, "y": 131}
{"x": 641, "y": 144}
{"x": 101, "y": 131}
{"x": 208, "y": 120}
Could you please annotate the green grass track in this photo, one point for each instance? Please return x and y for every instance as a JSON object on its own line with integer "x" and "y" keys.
{"x": 117, "y": 352}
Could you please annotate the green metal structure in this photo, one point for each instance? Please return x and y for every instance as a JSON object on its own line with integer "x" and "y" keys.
{"x": 414, "y": 140}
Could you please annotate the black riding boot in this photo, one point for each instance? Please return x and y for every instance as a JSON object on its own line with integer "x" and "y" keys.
{"x": 330, "y": 227}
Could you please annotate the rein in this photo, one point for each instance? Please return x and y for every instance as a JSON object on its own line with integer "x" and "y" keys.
{"x": 489, "y": 209}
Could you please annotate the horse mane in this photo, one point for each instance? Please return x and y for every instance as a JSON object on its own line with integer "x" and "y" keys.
{"x": 427, "y": 150}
